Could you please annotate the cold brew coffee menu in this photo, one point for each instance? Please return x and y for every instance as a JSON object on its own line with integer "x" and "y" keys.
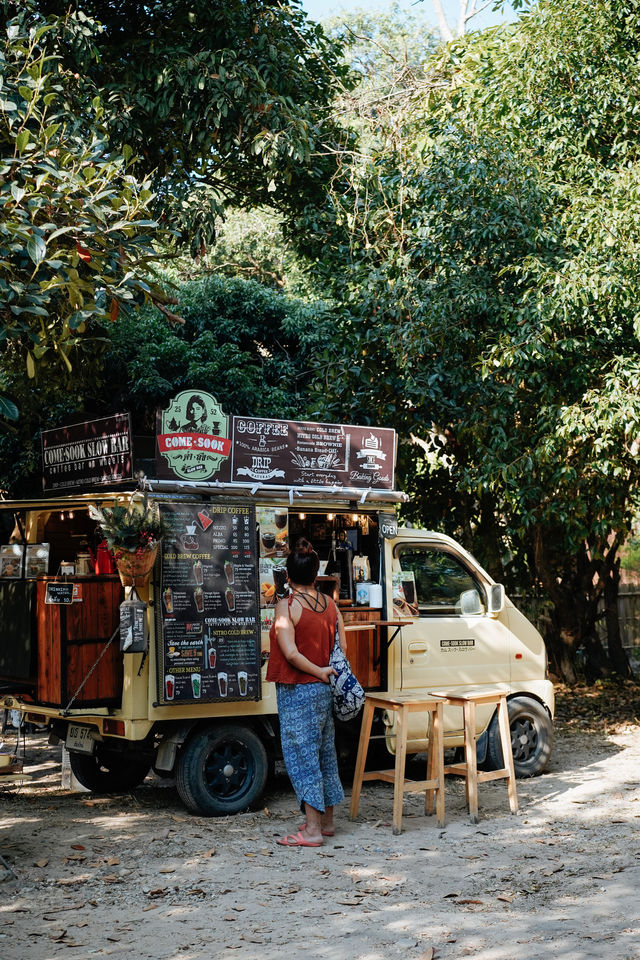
{"x": 209, "y": 597}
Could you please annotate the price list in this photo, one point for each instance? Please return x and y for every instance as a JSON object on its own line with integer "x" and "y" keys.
{"x": 210, "y": 649}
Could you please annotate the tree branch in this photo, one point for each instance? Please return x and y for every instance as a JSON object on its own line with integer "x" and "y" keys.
{"x": 445, "y": 30}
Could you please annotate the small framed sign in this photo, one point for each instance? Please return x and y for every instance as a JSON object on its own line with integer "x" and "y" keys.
{"x": 11, "y": 560}
{"x": 59, "y": 593}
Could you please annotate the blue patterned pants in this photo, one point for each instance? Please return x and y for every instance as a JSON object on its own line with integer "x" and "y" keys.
{"x": 308, "y": 743}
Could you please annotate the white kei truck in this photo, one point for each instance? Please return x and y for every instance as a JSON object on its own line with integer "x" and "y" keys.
{"x": 183, "y": 692}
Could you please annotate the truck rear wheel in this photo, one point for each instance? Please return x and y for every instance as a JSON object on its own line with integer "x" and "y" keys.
{"x": 109, "y": 771}
{"x": 221, "y": 770}
{"x": 531, "y": 738}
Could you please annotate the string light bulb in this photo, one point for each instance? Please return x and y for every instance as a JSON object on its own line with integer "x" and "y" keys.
{"x": 302, "y": 516}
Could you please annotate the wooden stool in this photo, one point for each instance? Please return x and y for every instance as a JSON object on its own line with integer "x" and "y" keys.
{"x": 469, "y": 768}
{"x": 403, "y": 704}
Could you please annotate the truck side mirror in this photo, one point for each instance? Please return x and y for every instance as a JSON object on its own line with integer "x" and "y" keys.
{"x": 470, "y": 604}
{"x": 496, "y": 599}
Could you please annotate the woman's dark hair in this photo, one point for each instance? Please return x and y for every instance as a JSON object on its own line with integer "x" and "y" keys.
{"x": 303, "y": 563}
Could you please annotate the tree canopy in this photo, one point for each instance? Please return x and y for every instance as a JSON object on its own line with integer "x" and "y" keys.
{"x": 488, "y": 236}
{"x": 76, "y": 232}
{"x": 226, "y": 103}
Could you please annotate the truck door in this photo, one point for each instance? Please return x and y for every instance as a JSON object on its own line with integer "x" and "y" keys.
{"x": 452, "y": 642}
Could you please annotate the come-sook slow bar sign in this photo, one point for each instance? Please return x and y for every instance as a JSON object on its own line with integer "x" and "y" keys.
{"x": 197, "y": 441}
{"x": 94, "y": 451}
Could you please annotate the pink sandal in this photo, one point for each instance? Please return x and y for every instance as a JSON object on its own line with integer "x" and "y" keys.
{"x": 297, "y": 840}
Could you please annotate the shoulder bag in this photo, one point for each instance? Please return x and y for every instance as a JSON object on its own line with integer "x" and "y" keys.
{"x": 348, "y": 695}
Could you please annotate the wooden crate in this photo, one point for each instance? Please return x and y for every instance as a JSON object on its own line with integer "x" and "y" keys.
{"x": 70, "y": 639}
{"x": 360, "y": 646}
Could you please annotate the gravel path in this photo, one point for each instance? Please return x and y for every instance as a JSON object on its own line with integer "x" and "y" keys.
{"x": 137, "y": 875}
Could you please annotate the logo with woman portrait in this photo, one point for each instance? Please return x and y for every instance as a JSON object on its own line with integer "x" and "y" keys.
{"x": 193, "y": 435}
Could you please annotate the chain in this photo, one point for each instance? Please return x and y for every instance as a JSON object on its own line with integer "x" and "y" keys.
{"x": 113, "y": 636}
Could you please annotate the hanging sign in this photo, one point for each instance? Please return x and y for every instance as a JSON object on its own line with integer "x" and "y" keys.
{"x": 210, "y": 647}
{"x": 197, "y": 441}
{"x": 59, "y": 593}
{"x": 193, "y": 436}
{"x": 95, "y": 451}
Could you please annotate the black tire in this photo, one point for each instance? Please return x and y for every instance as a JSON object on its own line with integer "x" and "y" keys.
{"x": 110, "y": 771}
{"x": 531, "y": 738}
{"x": 221, "y": 770}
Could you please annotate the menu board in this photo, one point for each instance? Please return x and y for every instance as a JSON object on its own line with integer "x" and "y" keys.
{"x": 210, "y": 649}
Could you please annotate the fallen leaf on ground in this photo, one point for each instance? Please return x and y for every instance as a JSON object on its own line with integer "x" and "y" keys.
{"x": 113, "y": 862}
{"x": 469, "y": 901}
{"x": 428, "y": 954}
{"x": 41, "y": 863}
{"x": 507, "y": 898}
{"x": 167, "y": 870}
{"x": 77, "y": 846}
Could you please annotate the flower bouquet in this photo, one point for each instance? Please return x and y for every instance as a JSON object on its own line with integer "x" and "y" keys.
{"x": 133, "y": 533}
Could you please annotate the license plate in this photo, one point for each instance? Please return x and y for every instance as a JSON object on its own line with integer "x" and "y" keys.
{"x": 79, "y": 739}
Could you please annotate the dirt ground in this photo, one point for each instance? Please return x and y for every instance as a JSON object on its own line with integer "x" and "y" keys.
{"x": 136, "y": 875}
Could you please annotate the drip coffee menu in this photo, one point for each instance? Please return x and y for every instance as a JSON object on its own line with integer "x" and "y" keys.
{"x": 209, "y": 597}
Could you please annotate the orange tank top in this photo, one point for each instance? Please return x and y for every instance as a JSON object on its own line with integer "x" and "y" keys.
{"x": 315, "y": 636}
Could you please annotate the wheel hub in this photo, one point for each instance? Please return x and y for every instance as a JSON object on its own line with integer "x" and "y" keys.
{"x": 228, "y": 770}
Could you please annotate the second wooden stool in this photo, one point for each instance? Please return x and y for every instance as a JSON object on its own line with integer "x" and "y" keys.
{"x": 469, "y": 768}
{"x": 402, "y": 704}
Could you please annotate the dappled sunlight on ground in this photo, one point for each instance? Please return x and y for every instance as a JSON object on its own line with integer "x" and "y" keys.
{"x": 137, "y": 875}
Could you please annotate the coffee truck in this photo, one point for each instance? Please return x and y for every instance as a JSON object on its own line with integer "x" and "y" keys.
{"x": 170, "y": 675}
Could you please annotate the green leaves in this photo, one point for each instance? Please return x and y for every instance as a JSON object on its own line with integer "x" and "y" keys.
{"x": 75, "y": 224}
{"x": 37, "y": 249}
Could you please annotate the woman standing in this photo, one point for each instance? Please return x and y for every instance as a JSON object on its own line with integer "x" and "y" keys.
{"x": 302, "y": 639}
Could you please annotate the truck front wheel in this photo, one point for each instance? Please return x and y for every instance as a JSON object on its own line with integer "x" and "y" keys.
{"x": 109, "y": 771}
{"x": 221, "y": 770}
{"x": 531, "y": 738}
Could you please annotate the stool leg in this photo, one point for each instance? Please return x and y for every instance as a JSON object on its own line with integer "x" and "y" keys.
{"x": 507, "y": 752}
{"x": 401, "y": 756}
{"x": 363, "y": 744}
{"x": 471, "y": 759}
{"x": 438, "y": 773}
{"x": 431, "y": 751}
